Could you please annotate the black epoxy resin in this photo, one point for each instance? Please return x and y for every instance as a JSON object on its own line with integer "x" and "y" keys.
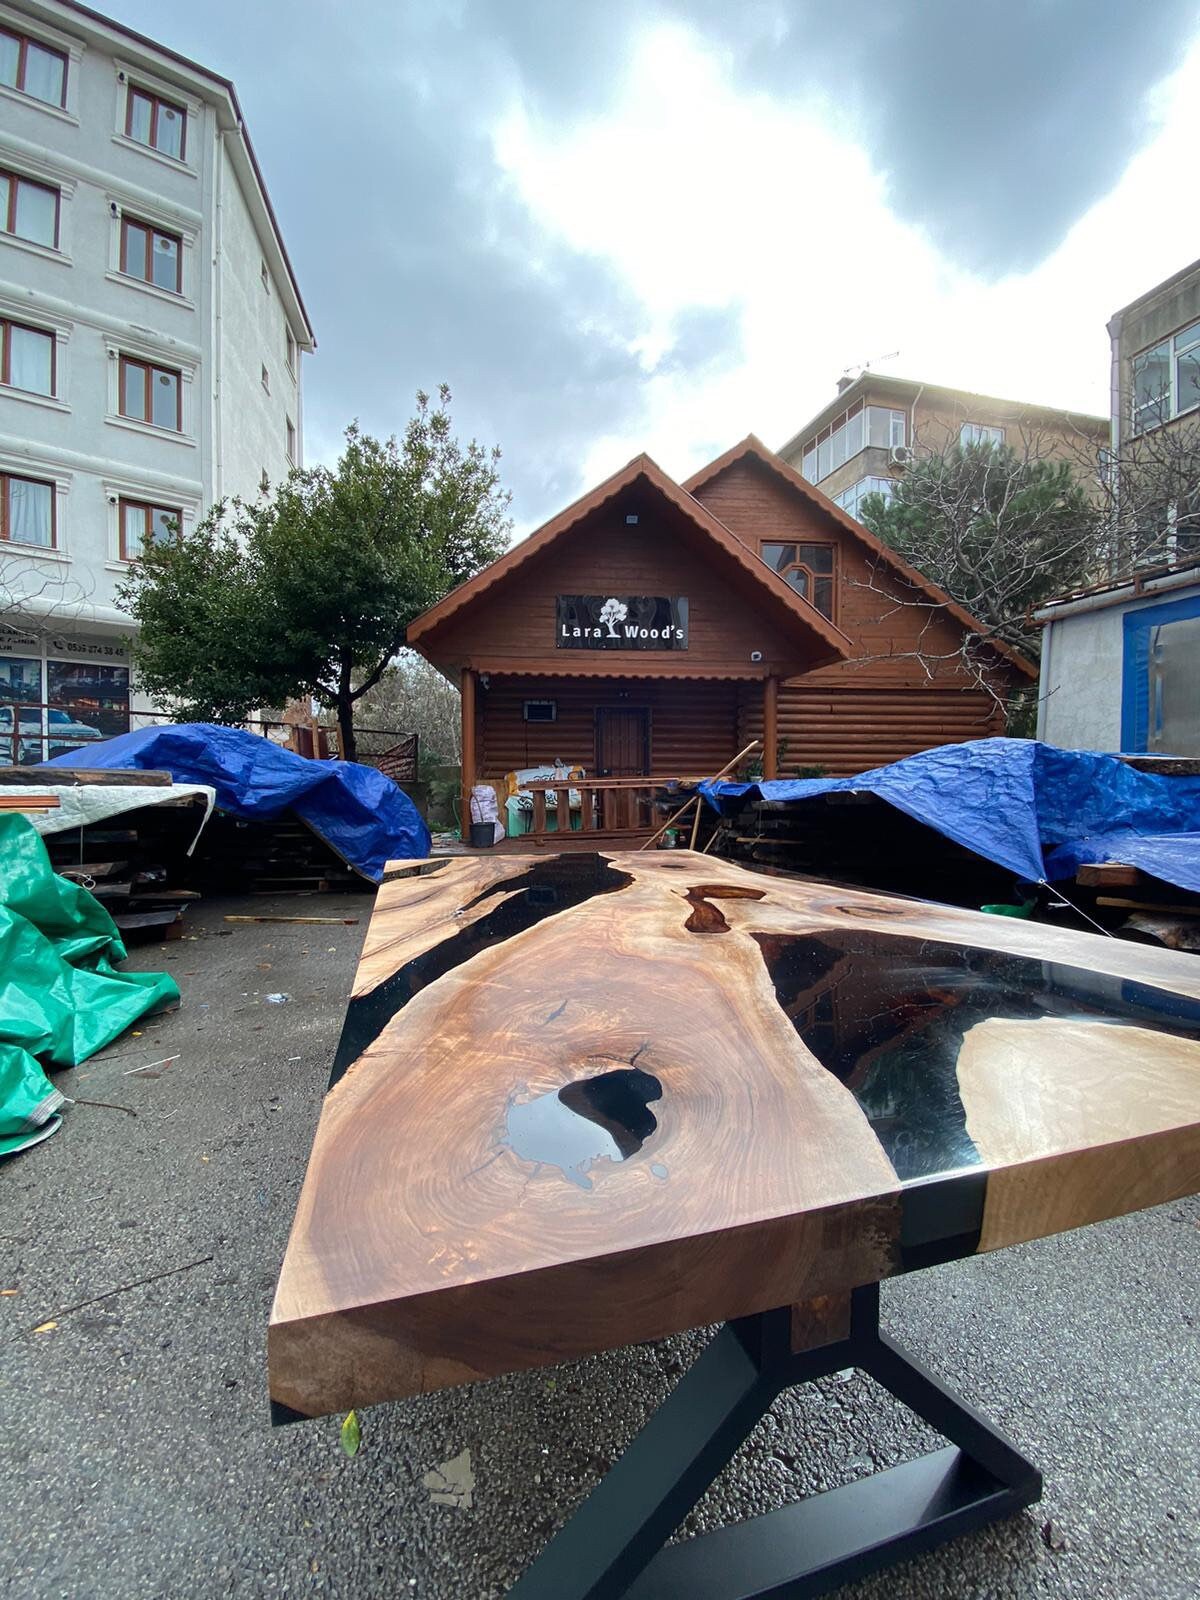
{"x": 887, "y": 1014}
{"x": 542, "y": 891}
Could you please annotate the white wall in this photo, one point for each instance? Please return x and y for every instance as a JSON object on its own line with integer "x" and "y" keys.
{"x": 1081, "y": 674}
{"x": 1080, "y": 688}
{"x": 251, "y": 334}
{"x": 218, "y": 332}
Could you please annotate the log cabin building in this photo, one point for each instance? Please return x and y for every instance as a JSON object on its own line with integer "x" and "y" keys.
{"x": 655, "y": 628}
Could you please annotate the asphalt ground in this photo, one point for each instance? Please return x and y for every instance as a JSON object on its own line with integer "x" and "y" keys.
{"x": 136, "y": 1454}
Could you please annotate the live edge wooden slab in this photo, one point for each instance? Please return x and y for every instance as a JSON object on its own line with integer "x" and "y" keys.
{"x": 585, "y": 1100}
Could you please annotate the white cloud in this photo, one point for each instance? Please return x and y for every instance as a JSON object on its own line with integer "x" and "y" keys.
{"x": 700, "y": 194}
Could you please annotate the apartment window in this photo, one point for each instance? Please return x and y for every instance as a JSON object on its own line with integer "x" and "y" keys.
{"x": 156, "y": 122}
{"x": 33, "y": 68}
{"x": 29, "y": 210}
{"x": 1187, "y": 369}
{"x": 143, "y": 524}
{"x": 291, "y": 441}
{"x": 151, "y": 394}
{"x": 26, "y": 358}
{"x": 809, "y": 569}
{"x": 856, "y": 429}
{"x": 1166, "y": 380}
{"x": 26, "y": 511}
{"x": 851, "y": 499}
{"x": 266, "y": 380}
{"x": 290, "y": 348}
{"x": 973, "y": 433}
{"x": 151, "y": 254}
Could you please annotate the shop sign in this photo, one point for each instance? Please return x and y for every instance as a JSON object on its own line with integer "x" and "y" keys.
{"x": 621, "y": 622}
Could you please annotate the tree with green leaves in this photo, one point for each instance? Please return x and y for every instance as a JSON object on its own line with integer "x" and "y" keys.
{"x": 999, "y": 530}
{"x": 308, "y": 591}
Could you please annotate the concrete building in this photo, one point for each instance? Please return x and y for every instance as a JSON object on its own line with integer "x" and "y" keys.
{"x": 1121, "y": 660}
{"x": 1155, "y": 399}
{"x": 1121, "y": 665}
{"x": 866, "y": 436}
{"x": 152, "y": 331}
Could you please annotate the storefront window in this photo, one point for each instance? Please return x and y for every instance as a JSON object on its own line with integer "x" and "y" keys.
{"x": 87, "y": 702}
{"x": 20, "y": 710}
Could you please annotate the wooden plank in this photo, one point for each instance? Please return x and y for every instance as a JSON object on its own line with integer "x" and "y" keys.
{"x": 586, "y": 1099}
{"x": 24, "y": 800}
{"x": 1108, "y": 875}
{"x": 562, "y": 808}
{"x": 539, "y": 811}
{"x": 73, "y": 777}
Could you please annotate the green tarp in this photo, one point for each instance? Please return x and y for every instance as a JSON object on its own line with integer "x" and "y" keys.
{"x": 61, "y": 999}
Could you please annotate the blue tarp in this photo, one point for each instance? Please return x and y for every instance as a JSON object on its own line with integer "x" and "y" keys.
{"x": 1031, "y": 807}
{"x": 361, "y": 814}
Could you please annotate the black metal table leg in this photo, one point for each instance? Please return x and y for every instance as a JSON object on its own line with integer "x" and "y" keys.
{"x": 611, "y": 1547}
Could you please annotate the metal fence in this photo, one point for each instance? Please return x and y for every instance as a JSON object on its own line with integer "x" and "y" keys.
{"x": 33, "y": 731}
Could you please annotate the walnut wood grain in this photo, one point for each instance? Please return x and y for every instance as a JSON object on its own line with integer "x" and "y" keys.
{"x": 430, "y": 1247}
{"x": 1078, "y": 1122}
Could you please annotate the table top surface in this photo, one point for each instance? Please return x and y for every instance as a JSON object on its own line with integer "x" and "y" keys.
{"x": 586, "y": 1099}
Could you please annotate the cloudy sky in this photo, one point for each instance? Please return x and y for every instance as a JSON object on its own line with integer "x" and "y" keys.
{"x": 616, "y": 225}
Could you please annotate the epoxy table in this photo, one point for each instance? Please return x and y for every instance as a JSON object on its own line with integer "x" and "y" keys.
{"x": 584, "y": 1100}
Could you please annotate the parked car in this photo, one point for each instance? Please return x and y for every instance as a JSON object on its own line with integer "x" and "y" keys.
{"x": 63, "y": 732}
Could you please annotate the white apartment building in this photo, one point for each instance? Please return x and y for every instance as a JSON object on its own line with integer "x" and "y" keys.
{"x": 151, "y": 335}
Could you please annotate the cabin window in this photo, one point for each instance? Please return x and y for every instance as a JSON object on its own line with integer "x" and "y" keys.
{"x": 810, "y": 569}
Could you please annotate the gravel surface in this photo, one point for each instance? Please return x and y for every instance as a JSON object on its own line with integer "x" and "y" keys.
{"x": 135, "y": 1449}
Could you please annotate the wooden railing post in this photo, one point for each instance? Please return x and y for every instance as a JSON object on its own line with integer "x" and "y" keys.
{"x": 467, "y": 688}
{"x": 770, "y": 757}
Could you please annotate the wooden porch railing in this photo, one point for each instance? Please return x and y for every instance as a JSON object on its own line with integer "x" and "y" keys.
{"x": 607, "y": 805}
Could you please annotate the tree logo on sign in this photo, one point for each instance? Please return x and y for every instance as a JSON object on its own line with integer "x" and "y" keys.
{"x": 612, "y": 612}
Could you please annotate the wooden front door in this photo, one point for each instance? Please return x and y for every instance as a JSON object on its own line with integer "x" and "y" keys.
{"x": 622, "y": 742}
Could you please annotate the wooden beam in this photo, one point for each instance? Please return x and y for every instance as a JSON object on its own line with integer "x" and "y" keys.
{"x": 770, "y": 760}
{"x": 1108, "y": 875}
{"x": 467, "y": 688}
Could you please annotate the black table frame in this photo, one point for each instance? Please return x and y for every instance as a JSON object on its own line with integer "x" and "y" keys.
{"x": 612, "y": 1546}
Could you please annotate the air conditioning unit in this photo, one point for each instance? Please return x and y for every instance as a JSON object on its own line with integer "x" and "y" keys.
{"x": 900, "y": 455}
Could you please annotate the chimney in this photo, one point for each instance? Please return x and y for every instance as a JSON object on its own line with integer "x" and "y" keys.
{"x": 844, "y": 382}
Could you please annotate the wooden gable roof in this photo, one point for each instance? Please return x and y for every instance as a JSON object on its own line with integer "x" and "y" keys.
{"x": 777, "y": 597}
{"x": 752, "y": 448}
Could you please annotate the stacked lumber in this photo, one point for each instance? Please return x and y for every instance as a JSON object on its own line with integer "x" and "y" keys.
{"x": 27, "y": 800}
{"x": 136, "y": 866}
{"x": 134, "y": 863}
{"x": 279, "y": 856}
{"x": 859, "y": 839}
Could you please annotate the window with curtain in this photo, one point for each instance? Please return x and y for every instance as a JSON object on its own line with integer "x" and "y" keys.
{"x": 33, "y": 68}
{"x": 26, "y": 511}
{"x": 143, "y": 524}
{"x": 151, "y": 254}
{"x": 155, "y": 122}
{"x": 26, "y": 357}
{"x": 29, "y": 210}
{"x": 152, "y": 394}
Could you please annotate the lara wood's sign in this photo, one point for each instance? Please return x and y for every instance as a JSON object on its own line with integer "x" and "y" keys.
{"x": 621, "y": 622}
